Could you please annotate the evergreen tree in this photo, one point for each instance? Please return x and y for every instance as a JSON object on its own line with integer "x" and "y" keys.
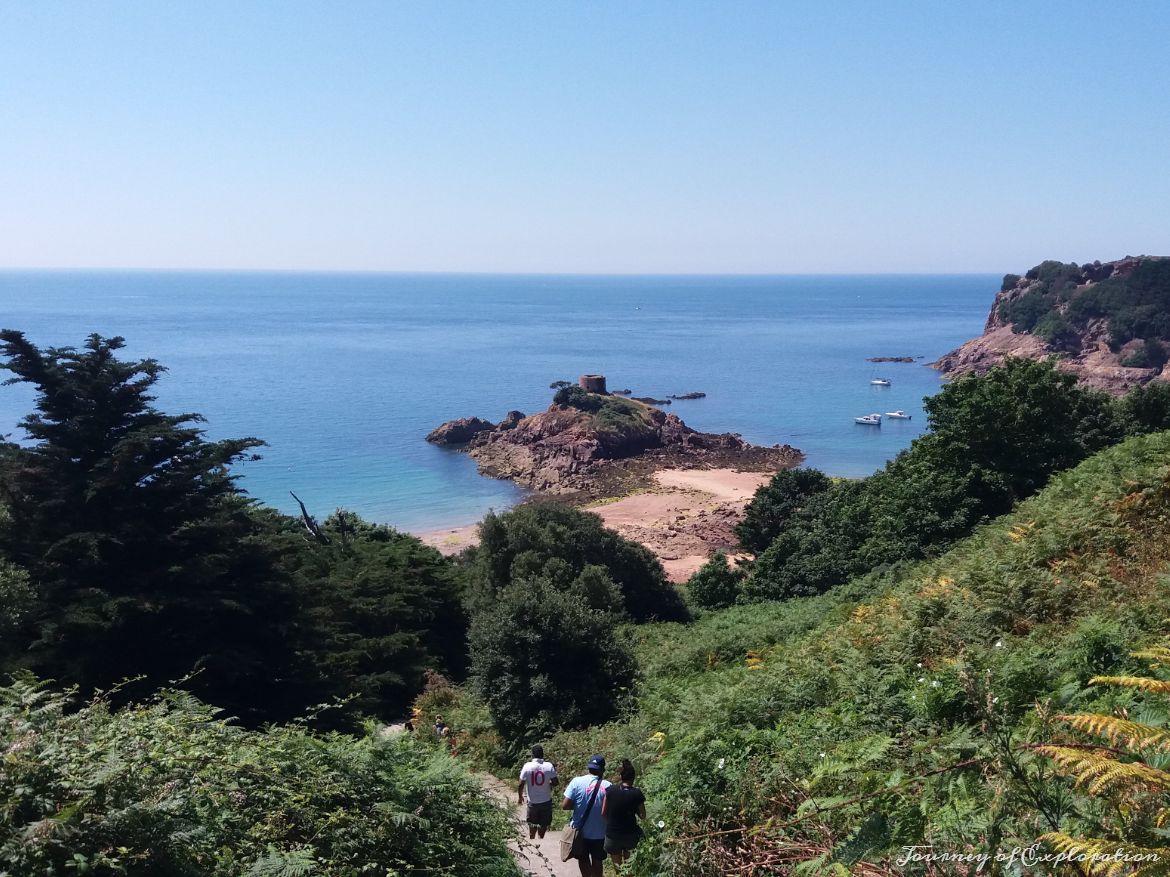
{"x": 144, "y": 555}
{"x": 381, "y": 609}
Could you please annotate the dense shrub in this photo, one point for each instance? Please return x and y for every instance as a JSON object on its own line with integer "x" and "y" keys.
{"x": 170, "y": 789}
{"x": 1152, "y": 354}
{"x": 1146, "y": 409}
{"x": 1025, "y": 312}
{"x": 577, "y": 397}
{"x": 774, "y": 504}
{"x": 547, "y": 653}
{"x": 126, "y": 550}
{"x": 715, "y": 585}
{"x": 1133, "y": 305}
{"x": 532, "y": 535}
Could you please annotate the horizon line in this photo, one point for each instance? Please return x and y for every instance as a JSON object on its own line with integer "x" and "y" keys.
{"x": 477, "y": 273}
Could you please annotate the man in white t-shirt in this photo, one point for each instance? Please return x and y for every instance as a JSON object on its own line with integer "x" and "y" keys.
{"x": 538, "y": 778}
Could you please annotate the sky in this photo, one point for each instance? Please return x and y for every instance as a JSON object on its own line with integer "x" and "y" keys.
{"x": 592, "y": 137}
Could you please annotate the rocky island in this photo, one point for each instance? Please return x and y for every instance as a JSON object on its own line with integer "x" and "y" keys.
{"x": 648, "y": 475}
{"x": 1108, "y": 323}
{"x": 596, "y": 444}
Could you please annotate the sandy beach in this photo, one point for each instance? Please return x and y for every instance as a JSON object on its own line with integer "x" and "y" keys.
{"x": 684, "y": 517}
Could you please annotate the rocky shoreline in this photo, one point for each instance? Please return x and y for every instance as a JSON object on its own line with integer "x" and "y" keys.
{"x": 1083, "y": 348}
{"x": 577, "y": 455}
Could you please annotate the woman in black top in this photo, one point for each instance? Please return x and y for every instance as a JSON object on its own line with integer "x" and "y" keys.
{"x": 621, "y": 807}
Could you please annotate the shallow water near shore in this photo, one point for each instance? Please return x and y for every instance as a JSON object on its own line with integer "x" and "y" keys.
{"x": 344, "y": 374}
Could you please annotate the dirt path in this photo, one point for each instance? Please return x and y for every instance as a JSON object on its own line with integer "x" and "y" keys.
{"x": 536, "y": 858}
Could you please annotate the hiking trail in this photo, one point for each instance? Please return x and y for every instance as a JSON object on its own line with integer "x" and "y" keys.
{"x": 537, "y": 857}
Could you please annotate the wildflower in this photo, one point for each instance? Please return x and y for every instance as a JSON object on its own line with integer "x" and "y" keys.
{"x": 995, "y": 700}
{"x": 920, "y": 666}
{"x": 822, "y": 755}
{"x": 934, "y": 683}
{"x": 661, "y": 824}
{"x": 721, "y": 762}
{"x": 921, "y": 678}
{"x": 999, "y": 644}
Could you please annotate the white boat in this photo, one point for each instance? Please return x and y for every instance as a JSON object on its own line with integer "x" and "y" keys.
{"x": 880, "y": 382}
{"x": 898, "y": 415}
{"x": 869, "y": 420}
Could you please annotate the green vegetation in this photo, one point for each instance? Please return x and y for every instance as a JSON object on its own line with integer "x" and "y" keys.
{"x": 1121, "y": 773}
{"x": 1058, "y": 306}
{"x": 903, "y": 708}
{"x": 550, "y": 586}
{"x": 716, "y": 585}
{"x": 994, "y": 440}
{"x": 616, "y": 420}
{"x": 130, "y": 562}
{"x": 564, "y": 543}
{"x": 379, "y": 609}
{"x": 168, "y": 788}
{"x": 145, "y": 557}
{"x": 775, "y": 504}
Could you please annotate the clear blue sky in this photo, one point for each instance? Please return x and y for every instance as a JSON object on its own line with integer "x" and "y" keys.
{"x": 595, "y": 137}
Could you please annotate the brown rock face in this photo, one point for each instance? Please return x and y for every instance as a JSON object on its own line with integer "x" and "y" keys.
{"x": 1093, "y": 362}
{"x": 566, "y": 450}
{"x": 458, "y": 432}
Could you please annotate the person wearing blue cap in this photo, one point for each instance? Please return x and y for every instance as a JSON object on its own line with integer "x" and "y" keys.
{"x": 584, "y": 796}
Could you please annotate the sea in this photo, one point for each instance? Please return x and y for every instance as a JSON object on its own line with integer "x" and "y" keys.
{"x": 343, "y": 374}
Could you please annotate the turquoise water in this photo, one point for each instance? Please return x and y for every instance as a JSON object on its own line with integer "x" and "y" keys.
{"x": 344, "y": 374}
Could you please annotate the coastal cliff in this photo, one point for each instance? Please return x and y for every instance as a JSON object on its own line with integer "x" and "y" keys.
{"x": 599, "y": 445}
{"x": 1108, "y": 323}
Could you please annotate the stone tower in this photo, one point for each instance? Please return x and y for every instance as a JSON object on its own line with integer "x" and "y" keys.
{"x": 592, "y": 383}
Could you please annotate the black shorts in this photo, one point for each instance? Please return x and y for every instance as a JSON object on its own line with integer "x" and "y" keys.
{"x": 622, "y": 843}
{"x": 540, "y": 815}
{"x": 592, "y": 849}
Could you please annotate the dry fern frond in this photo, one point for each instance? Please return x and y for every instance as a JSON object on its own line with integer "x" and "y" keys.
{"x": 1141, "y": 683}
{"x": 1120, "y": 732}
{"x": 1099, "y": 772}
{"x": 1102, "y": 859}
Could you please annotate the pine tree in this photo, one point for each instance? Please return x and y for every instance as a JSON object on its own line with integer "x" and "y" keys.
{"x": 144, "y": 555}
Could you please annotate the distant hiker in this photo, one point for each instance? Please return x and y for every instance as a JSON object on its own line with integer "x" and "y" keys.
{"x": 584, "y": 795}
{"x": 408, "y": 727}
{"x": 538, "y": 778}
{"x": 622, "y": 805}
{"x": 440, "y": 726}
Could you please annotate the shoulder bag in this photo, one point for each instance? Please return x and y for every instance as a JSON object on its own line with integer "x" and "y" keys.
{"x": 571, "y": 840}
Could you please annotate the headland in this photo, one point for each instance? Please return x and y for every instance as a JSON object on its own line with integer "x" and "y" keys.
{"x": 645, "y": 472}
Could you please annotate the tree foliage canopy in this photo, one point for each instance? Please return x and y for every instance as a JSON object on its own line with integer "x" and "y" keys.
{"x": 144, "y": 555}
{"x": 527, "y": 537}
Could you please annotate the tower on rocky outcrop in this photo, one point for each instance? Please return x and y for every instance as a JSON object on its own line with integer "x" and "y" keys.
{"x": 592, "y": 383}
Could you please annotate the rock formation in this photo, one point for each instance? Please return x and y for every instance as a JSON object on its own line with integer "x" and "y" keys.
{"x": 570, "y": 450}
{"x": 463, "y": 430}
{"x": 1072, "y": 321}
